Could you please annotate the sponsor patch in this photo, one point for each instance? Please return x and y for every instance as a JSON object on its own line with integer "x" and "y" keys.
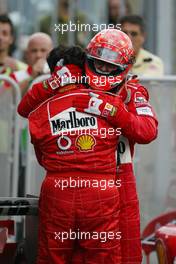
{"x": 64, "y": 76}
{"x": 140, "y": 99}
{"x": 45, "y": 85}
{"x": 124, "y": 150}
{"x": 69, "y": 120}
{"x": 113, "y": 111}
{"x": 54, "y": 83}
{"x": 85, "y": 142}
{"x": 64, "y": 142}
{"x": 109, "y": 110}
{"x": 108, "y": 106}
{"x": 144, "y": 111}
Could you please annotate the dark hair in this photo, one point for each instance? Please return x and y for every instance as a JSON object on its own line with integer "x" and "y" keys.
{"x": 70, "y": 55}
{"x": 6, "y": 20}
{"x": 134, "y": 19}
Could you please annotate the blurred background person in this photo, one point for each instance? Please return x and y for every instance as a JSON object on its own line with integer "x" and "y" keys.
{"x": 62, "y": 16}
{"x": 65, "y": 13}
{"x": 39, "y": 46}
{"x": 116, "y": 9}
{"x": 8, "y": 64}
{"x": 147, "y": 64}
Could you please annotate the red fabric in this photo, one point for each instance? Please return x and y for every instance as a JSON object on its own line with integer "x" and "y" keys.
{"x": 87, "y": 209}
{"x": 144, "y": 130}
{"x": 129, "y": 218}
{"x": 64, "y": 75}
{"x": 33, "y": 98}
{"x": 141, "y": 129}
{"x": 98, "y": 103}
{"x": 29, "y": 70}
{"x": 77, "y": 209}
{"x": 40, "y": 92}
{"x": 130, "y": 117}
{"x": 47, "y": 126}
{"x": 9, "y": 224}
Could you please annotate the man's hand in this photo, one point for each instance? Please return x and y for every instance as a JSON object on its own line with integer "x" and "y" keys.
{"x": 38, "y": 68}
{"x": 64, "y": 75}
{"x": 101, "y": 105}
{"x": 106, "y": 106}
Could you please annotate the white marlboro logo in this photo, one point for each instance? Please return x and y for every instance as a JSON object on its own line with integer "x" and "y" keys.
{"x": 69, "y": 120}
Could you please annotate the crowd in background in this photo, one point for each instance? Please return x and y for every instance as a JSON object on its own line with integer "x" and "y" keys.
{"x": 23, "y": 58}
{"x": 32, "y": 61}
{"x": 32, "y": 50}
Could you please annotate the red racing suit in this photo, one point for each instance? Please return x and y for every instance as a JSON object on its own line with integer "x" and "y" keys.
{"x": 72, "y": 200}
{"x": 136, "y": 99}
{"x": 144, "y": 131}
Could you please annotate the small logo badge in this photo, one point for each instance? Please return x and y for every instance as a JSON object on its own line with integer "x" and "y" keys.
{"x": 85, "y": 142}
{"x": 64, "y": 142}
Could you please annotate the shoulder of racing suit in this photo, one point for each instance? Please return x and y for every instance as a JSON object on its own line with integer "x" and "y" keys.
{"x": 70, "y": 89}
{"x": 134, "y": 89}
{"x": 137, "y": 99}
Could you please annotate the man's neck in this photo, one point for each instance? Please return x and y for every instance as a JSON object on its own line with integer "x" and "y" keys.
{"x": 3, "y": 56}
{"x": 137, "y": 52}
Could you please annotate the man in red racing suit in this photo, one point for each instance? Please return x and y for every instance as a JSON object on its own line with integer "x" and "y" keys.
{"x": 143, "y": 132}
{"x": 68, "y": 154}
{"x": 136, "y": 99}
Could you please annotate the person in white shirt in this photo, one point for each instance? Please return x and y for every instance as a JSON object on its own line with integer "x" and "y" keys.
{"x": 147, "y": 64}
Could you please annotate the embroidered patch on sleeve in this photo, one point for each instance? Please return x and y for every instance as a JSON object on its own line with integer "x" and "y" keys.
{"x": 144, "y": 111}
